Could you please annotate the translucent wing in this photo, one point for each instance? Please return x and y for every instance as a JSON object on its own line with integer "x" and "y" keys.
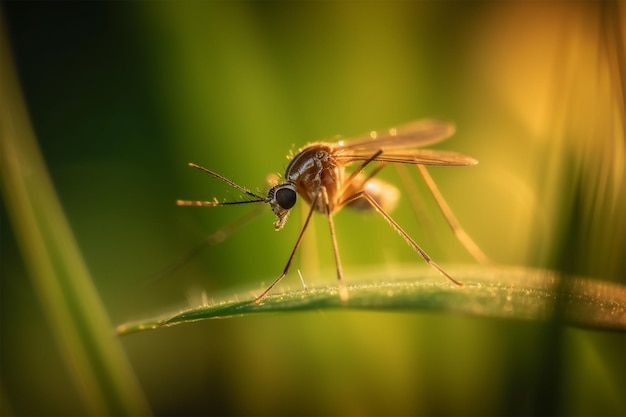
{"x": 397, "y": 143}
{"x": 411, "y": 135}
{"x": 408, "y": 156}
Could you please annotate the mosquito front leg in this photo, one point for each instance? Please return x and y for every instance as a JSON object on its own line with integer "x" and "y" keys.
{"x": 293, "y": 252}
{"x": 217, "y": 237}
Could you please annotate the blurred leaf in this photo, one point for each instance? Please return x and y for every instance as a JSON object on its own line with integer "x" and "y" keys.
{"x": 513, "y": 293}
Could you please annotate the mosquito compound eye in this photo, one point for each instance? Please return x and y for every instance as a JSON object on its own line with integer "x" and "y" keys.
{"x": 286, "y": 197}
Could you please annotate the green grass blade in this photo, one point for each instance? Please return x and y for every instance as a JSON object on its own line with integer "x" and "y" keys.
{"x": 508, "y": 293}
{"x": 82, "y": 330}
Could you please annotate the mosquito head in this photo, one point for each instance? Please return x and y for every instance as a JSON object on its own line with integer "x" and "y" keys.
{"x": 282, "y": 198}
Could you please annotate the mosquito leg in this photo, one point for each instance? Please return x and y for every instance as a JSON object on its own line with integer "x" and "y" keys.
{"x": 308, "y": 255}
{"x": 343, "y": 290}
{"x": 360, "y": 169}
{"x": 454, "y": 224}
{"x": 399, "y": 229}
{"x": 414, "y": 195}
{"x": 214, "y": 239}
{"x": 293, "y": 252}
{"x": 375, "y": 171}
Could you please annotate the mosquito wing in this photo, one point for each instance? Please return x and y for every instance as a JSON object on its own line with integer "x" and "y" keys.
{"x": 419, "y": 133}
{"x": 397, "y": 143}
{"x": 409, "y": 156}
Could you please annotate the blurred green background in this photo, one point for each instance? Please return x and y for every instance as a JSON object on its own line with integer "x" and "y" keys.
{"x": 123, "y": 95}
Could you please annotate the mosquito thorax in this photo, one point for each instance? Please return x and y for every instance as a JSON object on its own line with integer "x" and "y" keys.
{"x": 282, "y": 198}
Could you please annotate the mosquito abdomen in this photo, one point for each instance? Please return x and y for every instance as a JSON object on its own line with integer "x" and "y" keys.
{"x": 385, "y": 194}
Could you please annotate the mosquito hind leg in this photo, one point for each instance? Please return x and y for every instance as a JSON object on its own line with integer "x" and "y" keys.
{"x": 401, "y": 231}
{"x": 452, "y": 221}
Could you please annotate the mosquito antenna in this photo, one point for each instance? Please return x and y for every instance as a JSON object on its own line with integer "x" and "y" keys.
{"x": 256, "y": 198}
{"x": 215, "y": 203}
{"x": 227, "y": 181}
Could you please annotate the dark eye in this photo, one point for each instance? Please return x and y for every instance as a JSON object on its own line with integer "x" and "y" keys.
{"x": 286, "y": 197}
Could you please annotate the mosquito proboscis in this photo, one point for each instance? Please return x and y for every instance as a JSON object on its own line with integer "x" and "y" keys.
{"x": 317, "y": 173}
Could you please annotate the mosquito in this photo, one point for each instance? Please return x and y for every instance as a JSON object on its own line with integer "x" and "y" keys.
{"x": 317, "y": 173}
